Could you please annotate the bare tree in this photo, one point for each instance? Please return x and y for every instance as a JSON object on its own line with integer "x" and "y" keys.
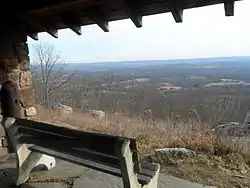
{"x": 49, "y": 71}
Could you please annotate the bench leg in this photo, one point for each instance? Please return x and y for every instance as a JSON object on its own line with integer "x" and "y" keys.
{"x": 25, "y": 159}
{"x": 129, "y": 176}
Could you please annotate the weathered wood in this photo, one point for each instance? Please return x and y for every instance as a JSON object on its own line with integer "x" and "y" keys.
{"x": 114, "y": 155}
{"x": 72, "y": 150}
{"x": 88, "y": 140}
{"x": 77, "y": 160}
{"x": 113, "y": 10}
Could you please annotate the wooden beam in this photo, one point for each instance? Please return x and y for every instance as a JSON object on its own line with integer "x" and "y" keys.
{"x": 134, "y": 11}
{"x": 53, "y": 32}
{"x": 76, "y": 29}
{"x": 97, "y": 16}
{"x": 72, "y": 20}
{"x": 104, "y": 25}
{"x": 31, "y": 31}
{"x": 229, "y": 7}
{"x": 177, "y": 14}
{"x": 137, "y": 20}
{"x": 34, "y": 36}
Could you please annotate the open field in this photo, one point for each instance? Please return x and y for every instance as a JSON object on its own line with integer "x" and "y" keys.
{"x": 182, "y": 117}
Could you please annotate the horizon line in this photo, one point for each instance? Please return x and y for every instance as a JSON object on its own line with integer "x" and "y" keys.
{"x": 170, "y": 59}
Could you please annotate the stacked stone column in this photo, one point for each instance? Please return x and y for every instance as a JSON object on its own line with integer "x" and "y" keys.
{"x": 14, "y": 66}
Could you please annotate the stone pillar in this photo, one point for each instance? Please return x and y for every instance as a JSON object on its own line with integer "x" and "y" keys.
{"x": 14, "y": 66}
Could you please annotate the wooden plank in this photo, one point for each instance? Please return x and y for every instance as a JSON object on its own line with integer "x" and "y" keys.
{"x": 93, "y": 141}
{"x": 77, "y": 160}
{"x": 41, "y": 134}
{"x": 73, "y": 151}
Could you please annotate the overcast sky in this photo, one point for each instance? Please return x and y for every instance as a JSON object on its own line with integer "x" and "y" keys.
{"x": 204, "y": 32}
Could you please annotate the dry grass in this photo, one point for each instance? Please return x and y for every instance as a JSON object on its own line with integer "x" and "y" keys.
{"x": 218, "y": 161}
{"x": 192, "y": 135}
{"x": 226, "y": 171}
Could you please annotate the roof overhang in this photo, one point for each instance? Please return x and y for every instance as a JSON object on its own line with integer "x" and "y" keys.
{"x": 51, "y": 15}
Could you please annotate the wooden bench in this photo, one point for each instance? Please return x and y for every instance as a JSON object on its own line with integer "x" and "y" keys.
{"x": 31, "y": 141}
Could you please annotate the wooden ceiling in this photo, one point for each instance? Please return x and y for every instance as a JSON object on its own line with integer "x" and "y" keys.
{"x": 49, "y": 16}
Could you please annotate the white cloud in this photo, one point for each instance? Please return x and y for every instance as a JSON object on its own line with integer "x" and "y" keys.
{"x": 205, "y": 32}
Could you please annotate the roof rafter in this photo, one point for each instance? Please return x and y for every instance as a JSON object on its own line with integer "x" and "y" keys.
{"x": 73, "y": 21}
{"x": 229, "y": 7}
{"x": 98, "y": 16}
{"x": 134, "y": 11}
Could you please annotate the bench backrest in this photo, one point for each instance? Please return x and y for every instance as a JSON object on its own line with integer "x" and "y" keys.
{"x": 100, "y": 148}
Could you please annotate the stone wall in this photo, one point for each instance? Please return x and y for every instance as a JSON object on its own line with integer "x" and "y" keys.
{"x": 14, "y": 66}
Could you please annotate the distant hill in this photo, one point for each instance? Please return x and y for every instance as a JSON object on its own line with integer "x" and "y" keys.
{"x": 103, "y": 66}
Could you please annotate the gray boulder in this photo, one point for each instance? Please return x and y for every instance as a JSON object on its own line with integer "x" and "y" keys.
{"x": 232, "y": 129}
{"x": 97, "y": 113}
{"x": 62, "y": 107}
{"x": 175, "y": 152}
{"x": 172, "y": 156}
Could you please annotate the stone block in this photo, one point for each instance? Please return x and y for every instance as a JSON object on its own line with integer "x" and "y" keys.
{"x": 27, "y": 97}
{"x": 25, "y": 79}
{"x": 31, "y": 111}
